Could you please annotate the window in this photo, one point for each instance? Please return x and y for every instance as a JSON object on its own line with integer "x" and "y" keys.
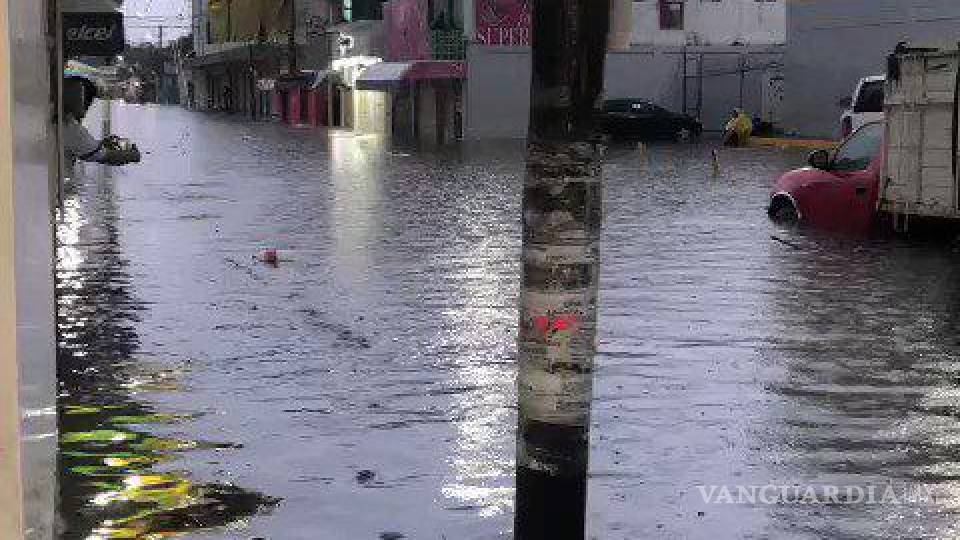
{"x": 671, "y": 14}
{"x": 870, "y": 98}
{"x": 860, "y": 150}
{"x": 616, "y": 106}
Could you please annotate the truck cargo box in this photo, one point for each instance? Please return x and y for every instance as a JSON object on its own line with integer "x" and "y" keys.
{"x": 920, "y": 173}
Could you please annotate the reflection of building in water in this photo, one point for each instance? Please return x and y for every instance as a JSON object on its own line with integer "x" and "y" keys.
{"x": 110, "y": 486}
{"x": 355, "y": 214}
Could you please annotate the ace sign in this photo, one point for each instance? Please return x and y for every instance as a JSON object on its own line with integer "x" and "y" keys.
{"x": 93, "y": 34}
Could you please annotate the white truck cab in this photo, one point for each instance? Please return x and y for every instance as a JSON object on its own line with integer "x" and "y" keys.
{"x": 866, "y": 105}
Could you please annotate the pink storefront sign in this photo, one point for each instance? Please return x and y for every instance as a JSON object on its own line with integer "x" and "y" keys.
{"x": 504, "y": 23}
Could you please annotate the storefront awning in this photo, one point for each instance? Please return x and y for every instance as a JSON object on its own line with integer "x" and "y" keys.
{"x": 383, "y": 76}
{"x": 226, "y": 55}
{"x": 236, "y": 54}
{"x": 300, "y": 80}
{"x": 325, "y": 76}
{"x": 307, "y": 79}
{"x": 431, "y": 70}
{"x": 386, "y": 75}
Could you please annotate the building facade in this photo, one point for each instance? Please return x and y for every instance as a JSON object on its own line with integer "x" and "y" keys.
{"x": 831, "y": 45}
{"x": 246, "y": 62}
{"x": 709, "y": 22}
{"x": 703, "y": 57}
{"x": 417, "y": 94}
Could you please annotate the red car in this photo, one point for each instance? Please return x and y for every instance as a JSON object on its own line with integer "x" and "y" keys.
{"x": 839, "y": 189}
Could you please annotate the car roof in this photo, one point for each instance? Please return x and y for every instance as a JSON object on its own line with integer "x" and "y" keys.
{"x": 629, "y": 100}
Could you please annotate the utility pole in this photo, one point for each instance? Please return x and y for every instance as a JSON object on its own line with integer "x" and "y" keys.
{"x": 742, "y": 67}
{"x": 292, "y": 39}
{"x": 562, "y": 216}
{"x": 160, "y": 35}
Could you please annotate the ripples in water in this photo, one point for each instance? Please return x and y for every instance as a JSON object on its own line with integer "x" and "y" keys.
{"x": 118, "y": 478}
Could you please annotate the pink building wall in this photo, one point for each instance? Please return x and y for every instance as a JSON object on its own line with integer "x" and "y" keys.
{"x": 408, "y": 34}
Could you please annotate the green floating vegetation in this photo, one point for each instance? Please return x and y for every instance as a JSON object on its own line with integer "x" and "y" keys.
{"x": 76, "y": 410}
{"x": 99, "y": 470}
{"x": 148, "y": 419}
{"x": 97, "y": 436}
{"x": 156, "y": 444}
{"x": 99, "y": 455}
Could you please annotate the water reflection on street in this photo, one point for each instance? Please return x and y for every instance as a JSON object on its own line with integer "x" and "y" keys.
{"x": 364, "y": 387}
{"x": 119, "y": 479}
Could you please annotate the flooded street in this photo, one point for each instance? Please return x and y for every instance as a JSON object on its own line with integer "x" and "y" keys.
{"x": 364, "y": 387}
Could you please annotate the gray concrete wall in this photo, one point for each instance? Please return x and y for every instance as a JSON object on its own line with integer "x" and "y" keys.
{"x": 656, "y": 74}
{"x": 831, "y": 44}
{"x": 646, "y": 74}
{"x": 498, "y": 83}
{"x": 427, "y": 113}
{"x": 497, "y": 92}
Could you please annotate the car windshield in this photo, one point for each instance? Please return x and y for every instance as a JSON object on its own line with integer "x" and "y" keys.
{"x": 616, "y": 106}
{"x": 870, "y": 99}
{"x": 860, "y": 149}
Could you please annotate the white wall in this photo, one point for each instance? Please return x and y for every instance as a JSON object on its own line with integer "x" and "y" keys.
{"x": 819, "y": 81}
{"x": 498, "y": 92}
{"x": 708, "y": 22}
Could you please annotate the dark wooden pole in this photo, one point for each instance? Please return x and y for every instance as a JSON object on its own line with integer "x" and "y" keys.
{"x": 562, "y": 216}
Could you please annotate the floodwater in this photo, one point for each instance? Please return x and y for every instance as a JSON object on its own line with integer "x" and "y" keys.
{"x": 364, "y": 386}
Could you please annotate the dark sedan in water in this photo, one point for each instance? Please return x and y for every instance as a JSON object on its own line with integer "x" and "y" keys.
{"x": 640, "y": 119}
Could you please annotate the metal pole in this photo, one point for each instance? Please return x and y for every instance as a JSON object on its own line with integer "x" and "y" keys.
{"x": 292, "y": 39}
{"x": 106, "y": 119}
{"x": 742, "y": 73}
{"x": 160, "y": 34}
{"x": 684, "y": 82}
{"x": 413, "y": 111}
{"x": 254, "y": 95}
{"x": 562, "y": 215}
{"x": 700, "y": 88}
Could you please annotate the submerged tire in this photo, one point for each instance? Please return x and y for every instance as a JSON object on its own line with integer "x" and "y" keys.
{"x": 783, "y": 211}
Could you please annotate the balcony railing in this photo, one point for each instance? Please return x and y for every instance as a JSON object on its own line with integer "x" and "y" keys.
{"x": 448, "y": 45}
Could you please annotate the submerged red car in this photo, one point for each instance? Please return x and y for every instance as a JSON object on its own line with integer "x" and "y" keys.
{"x": 839, "y": 189}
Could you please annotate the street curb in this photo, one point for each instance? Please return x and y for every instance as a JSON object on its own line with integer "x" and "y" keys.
{"x": 791, "y": 144}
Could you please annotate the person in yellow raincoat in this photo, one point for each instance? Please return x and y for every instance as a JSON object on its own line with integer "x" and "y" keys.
{"x": 738, "y": 129}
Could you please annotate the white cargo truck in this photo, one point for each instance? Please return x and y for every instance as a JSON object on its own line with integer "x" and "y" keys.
{"x": 921, "y": 102}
